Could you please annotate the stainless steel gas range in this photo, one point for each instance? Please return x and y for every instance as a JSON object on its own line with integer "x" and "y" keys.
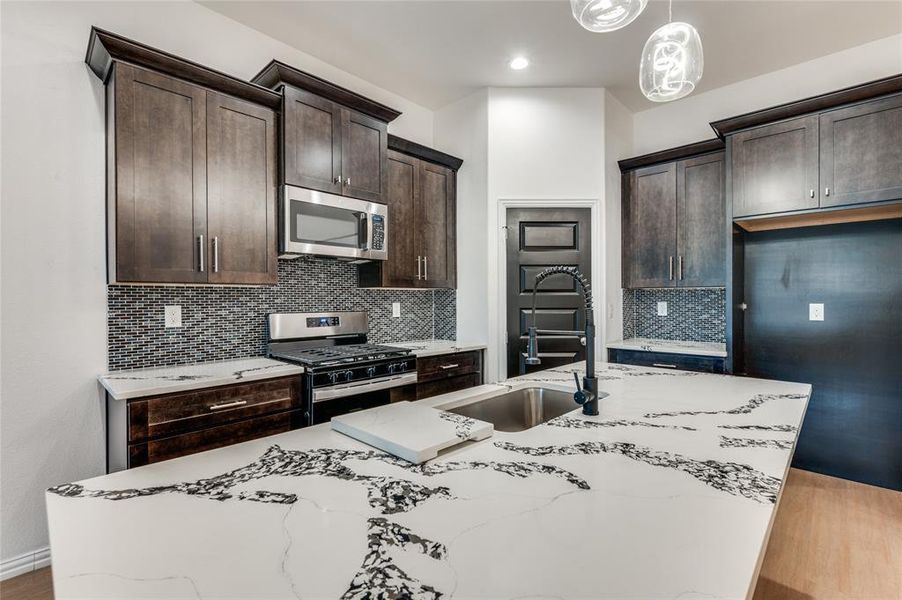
{"x": 343, "y": 372}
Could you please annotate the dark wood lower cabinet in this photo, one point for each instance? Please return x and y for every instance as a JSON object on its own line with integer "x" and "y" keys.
{"x": 665, "y": 360}
{"x": 448, "y": 373}
{"x": 147, "y": 430}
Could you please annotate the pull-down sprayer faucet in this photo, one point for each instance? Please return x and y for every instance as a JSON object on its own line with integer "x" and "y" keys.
{"x": 586, "y": 395}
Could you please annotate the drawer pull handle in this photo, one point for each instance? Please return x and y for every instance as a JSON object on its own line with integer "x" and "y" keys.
{"x": 664, "y": 365}
{"x": 454, "y": 366}
{"x": 228, "y": 405}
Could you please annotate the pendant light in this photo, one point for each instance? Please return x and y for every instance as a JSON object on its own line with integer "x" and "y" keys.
{"x": 672, "y": 62}
{"x": 606, "y": 15}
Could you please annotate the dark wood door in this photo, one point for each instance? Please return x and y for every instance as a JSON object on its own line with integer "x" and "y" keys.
{"x": 400, "y": 270}
{"x": 701, "y": 222}
{"x": 861, "y": 153}
{"x": 775, "y": 168}
{"x": 241, "y": 191}
{"x": 312, "y": 134}
{"x": 536, "y": 239}
{"x": 364, "y": 146}
{"x": 160, "y": 177}
{"x": 653, "y": 226}
{"x": 435, "y": 226}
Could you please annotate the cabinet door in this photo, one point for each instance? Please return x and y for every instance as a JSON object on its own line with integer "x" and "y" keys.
{"x": 312, "y": 141}
{"x": 435, "y": 225}
{"x": 775, "y": 168}
{"x": 364, "y": 145}
{"x": 701, "y": 222}
{"x": 160, "y": 177}
{"x": 400, "y": 270}
{"x": 861, "y": 153}
{"x": 653, "y": 226}
{"x": 241, "y": 191}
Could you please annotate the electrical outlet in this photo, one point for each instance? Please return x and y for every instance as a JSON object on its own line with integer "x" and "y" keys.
{"x": 396, "y": 309}
{"x": 662, "y": 309}
{"x": 173, "y": 315}
{"x": 815, "y": 312}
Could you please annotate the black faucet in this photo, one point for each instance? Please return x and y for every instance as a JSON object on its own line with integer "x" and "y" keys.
{"x": 586, "y": 395}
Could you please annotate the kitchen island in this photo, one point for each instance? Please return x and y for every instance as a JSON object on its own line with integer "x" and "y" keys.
{"x": 669, "y": 492}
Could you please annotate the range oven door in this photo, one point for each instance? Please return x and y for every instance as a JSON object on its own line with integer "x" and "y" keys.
{"x": 328, "y": 225}
{"x": 341, "y": 399}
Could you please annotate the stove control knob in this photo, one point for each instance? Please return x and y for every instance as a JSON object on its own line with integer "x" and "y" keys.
{"x": 333, "y": 377}
{"x": 371, "y": 372}
{"x": 349, "y": 375}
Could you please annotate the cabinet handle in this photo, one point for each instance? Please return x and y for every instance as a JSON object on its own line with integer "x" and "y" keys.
{"x": 811, "y": 193}
{"x": 680, "y": 267}
{"x": 454, "y": 366}
{"x": 663, "y": 365}
{"x": 227, "y": 405}
{"x": 216, "y": 254}
{"x": 826, "y": 191}
{"x": 200, "y": 246}
{"x": 670, "y": 276}
{"x": 419, "y": 268}
{"x": 348, "y": 181}
{"x": 426, "y": 268}
{"x": 337, "y": 180}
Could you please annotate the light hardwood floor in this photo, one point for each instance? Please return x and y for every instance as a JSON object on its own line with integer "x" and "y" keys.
{"x": 832, "y": 539}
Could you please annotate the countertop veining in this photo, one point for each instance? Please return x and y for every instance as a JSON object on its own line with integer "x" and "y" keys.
{"x": 718, "y": 349}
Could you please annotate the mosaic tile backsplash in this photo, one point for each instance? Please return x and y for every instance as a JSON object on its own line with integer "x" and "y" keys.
{"x": 693, "y": 314}
{"x": 220, "y": 323}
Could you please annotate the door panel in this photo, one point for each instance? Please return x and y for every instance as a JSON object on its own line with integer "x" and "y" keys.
{"x": 861, "y": 153}
{"x": 312, "y": 145}
{"x": 537, "y": 239}
{"x": 241, "y": 150}
{"x": 160, "y": 177}
{"x": 653, "y": 226}
{"x": 400, "y": 270}
{"x": 364, "y": 145}
{"x": 701, "y": 230}
{"x": 775, "y": 168}
{"x": 435, "y": 224}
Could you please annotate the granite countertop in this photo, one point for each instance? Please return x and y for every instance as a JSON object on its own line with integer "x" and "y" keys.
{"x": 123, "y": 385}
{"x": 670, "y": 492}
{"x": 671, "y": 346}
{"x": 421, "y": 348}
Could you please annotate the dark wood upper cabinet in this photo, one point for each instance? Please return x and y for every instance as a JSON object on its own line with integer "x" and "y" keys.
{"x": 241, "y": 191}
{"x": 421, "y": 198}
{"x": 653, "y": 226}
{"x": 701, "y": 215}
{"x": 775, "y": 168}
{"x": 861, "y": 153}
{"x": 311, "y": 150}
{"x": 364, "y": 148}
{"x": 158, "y": 179}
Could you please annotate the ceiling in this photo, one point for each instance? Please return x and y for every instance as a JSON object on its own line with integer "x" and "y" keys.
{"x": 435, "y": 52}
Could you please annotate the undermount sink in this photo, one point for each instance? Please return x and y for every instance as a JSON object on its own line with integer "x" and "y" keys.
{"x": 519, "y": 410}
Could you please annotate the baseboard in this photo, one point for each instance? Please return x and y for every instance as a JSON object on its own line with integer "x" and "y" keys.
{"x": 25, "y": 563}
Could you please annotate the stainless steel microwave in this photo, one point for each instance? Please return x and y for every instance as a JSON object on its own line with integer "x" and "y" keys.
{"x": 328, "y": 225}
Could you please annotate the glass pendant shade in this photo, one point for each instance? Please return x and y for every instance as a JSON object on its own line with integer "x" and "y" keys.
{"x": 672, "y": 63}
{"x": 606, "y": 15}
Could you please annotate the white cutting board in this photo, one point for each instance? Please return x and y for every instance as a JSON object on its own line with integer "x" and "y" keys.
{"x": 413, "y": 432}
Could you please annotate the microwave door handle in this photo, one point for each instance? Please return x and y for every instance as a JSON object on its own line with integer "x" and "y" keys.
{"x": 365, "y": 231}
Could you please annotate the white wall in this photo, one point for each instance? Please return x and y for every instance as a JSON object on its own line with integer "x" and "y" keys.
{"x": 53, "y": 233}
{"x": 686, "y": 121}
{"x": 543, "y": 144}
{"x": 461, "y": 129}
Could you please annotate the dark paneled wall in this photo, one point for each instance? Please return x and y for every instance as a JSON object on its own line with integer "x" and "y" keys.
{"x": 853, "y": 428}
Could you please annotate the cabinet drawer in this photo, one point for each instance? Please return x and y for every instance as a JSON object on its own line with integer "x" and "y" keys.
{"x": 182, "y": 412}
{"x": 432, "y": 368}
{"x": 448, "y": 384}
{"x": 684, "y": 362}
{"x": 215, "y": 437}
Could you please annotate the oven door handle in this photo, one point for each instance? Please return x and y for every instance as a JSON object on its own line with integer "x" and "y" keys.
{"x": 352, "y": 389}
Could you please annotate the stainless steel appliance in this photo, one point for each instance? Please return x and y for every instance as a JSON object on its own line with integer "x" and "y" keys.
{"x": 343, "y": 372}
{"x": 328, "y": 225}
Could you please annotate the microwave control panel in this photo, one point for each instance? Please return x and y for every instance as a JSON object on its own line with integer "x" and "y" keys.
{"x": 378, "y": 232}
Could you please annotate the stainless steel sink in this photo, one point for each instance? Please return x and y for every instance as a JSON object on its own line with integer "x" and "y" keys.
{"x": 520, "y": 409}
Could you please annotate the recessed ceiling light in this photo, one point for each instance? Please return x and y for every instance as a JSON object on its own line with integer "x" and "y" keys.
{"x": 518, "y": 63}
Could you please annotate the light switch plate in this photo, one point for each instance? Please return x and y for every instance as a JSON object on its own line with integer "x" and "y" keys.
{"x": 173, "y": 315}
{"x": 662, "y": 309}
{"x": 396, "y": 309}
{"x": 815, "y": 312}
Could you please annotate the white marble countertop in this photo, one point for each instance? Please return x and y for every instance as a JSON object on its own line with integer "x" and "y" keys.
{"x": 671, "y": 346}
{"x": 669, "y": 492}
{"x": 421, "y": 348}
{"x": 123, "y": 385}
